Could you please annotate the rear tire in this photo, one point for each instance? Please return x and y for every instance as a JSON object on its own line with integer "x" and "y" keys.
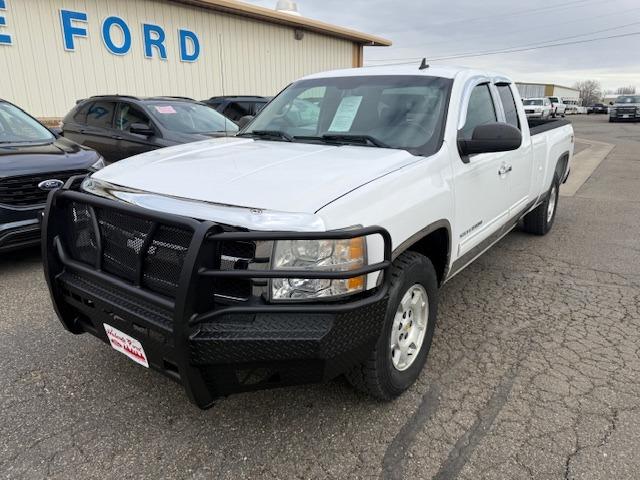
{"x": 383, "y": 374}
{"x": 540, "y": 220}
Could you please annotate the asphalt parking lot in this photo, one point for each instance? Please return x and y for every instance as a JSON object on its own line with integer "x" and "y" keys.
{"x": 534, "y": 373}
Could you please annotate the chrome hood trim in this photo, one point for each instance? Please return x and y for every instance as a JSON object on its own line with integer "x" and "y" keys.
{"x": 250, "y": 218}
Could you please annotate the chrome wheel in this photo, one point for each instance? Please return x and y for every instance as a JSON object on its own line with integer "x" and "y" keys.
{"x": 551, "y": 208}
{"x": 409, "y": 327}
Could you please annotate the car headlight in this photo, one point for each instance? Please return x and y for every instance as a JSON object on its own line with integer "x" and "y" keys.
{"x": 99, "y": 165}
{"x": 317, "y": 255}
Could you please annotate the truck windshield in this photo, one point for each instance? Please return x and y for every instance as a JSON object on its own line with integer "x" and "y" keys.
{"x": 403, "y": 112}
{"x": 532, "y": 102}
{"x": 629, "y": 99}
{"x": 187, "y": 117}
{"x": 18, "y": 127}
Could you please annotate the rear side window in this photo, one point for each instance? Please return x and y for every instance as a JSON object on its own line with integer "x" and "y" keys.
{"x": 81, "y": 114}
{"x": 508, "y": 105}
{"x": 237, "y": 110}
{"x": 480, "y": 111}
{"x": 100, "y": 115}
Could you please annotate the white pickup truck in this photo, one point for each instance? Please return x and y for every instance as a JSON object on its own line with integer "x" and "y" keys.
{"x": 312, "y": 244}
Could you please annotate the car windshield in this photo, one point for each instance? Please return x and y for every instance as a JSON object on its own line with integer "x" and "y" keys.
{"x": 403, "y": 112}
{"x": 532, "y": 102}
{"x": 629, "y": 99}
{"x": 187, "y": 117}
{"x": 18, "y": 127}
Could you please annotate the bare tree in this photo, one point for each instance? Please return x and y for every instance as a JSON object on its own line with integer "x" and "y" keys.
{"x": 590, "y": 91}
{"x": 628, "y": 90}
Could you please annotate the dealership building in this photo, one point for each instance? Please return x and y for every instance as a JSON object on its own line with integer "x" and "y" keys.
{"x": 537, "y": 90}
{"x": 54, "y": 52}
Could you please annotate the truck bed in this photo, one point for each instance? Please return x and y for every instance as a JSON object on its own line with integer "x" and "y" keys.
{"x": 538, "y": 125}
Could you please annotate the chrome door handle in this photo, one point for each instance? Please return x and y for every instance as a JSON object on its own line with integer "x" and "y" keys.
{"x": 504, "y": 169}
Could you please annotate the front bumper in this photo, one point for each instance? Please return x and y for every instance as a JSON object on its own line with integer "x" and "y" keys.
{"x": 214, "y": 349}
{"x": 19, "y": 228}
{"x": 631, "y": 113}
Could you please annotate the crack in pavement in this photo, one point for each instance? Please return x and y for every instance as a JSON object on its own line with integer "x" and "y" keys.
{"x": 394, "y": 456}
{"x": 467, "y": 443}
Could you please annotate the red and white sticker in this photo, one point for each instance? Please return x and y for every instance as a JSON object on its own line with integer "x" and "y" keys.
{"x": 123, "y": 343}
{"x": 165, "y": 109}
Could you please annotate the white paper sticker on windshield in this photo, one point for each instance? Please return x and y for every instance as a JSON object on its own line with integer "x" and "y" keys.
{"x": 346, "y": 114}
{"x": 165, "y": 109}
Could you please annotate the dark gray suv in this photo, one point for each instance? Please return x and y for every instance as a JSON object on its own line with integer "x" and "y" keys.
{"x": 121, "y": 126}
{"x": 626, "y": 107}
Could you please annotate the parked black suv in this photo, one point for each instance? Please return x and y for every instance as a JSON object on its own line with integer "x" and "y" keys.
{"x": 33, "y": 161}
{"x": 597, "y": 108}
{"x": 236, "y": 107}
{"x": 121, "y": 126}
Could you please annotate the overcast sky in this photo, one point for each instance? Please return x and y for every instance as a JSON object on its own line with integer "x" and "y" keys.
{"x": 443, "y": 28}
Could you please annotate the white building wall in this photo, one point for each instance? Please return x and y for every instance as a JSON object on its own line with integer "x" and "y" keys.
{"x": 239, "y": 55}
{"x": 530, "y": 90}
{"x": 565, "y": 92}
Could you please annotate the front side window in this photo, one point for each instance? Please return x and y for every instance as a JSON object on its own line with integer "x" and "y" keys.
{"x": 18, "y": 127}
{"x": 100, "y": 114}
{"x": 508, "y": 105}
{"x": 190, "y": 118}
{"x": 402, "y": 112}
{"x": 480, "y": 111}
{"x": 128, "y": 115}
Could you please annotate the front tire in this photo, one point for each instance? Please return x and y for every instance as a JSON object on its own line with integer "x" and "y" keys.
{"x": 540, "y": 220}
{"x": 404, "y": 343}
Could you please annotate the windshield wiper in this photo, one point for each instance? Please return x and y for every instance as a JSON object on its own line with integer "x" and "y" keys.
{"x": 267, "y": 133}
{"x": 358, "y": 139}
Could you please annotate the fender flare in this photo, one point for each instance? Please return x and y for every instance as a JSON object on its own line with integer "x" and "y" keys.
{"x": 421, "y": 234}
{"x": 564, "y": 174}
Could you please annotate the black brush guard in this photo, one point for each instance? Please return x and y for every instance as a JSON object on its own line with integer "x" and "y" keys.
{"x": 212, "y": 349}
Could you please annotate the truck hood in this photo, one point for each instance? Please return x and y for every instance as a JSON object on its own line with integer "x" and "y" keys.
{"x": 281, "y": 176}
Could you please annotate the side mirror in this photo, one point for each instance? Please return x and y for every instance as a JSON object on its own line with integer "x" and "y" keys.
{"x": 491, "y": 137}
{"x": 244, "y": 121}
{"x": 142, "y": 129}
{"x": 610, "y": 103}
{"x": 57, "y": 131}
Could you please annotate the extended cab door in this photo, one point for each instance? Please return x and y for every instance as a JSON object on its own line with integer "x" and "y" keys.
{"x": 518, "y": 163}
{"x": 482, "y": 191}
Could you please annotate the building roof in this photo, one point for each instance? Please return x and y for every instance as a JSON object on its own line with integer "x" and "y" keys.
{"x": 267, "y": 15}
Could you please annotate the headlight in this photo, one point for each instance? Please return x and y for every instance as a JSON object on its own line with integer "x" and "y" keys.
{"x": 317, "y": 255}
{"x": 99, "y": 165}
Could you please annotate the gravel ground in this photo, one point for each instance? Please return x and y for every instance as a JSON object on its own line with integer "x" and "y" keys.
{"x": 534, "y": 373}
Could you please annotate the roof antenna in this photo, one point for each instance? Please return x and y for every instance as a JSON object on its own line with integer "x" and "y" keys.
{"x": 424, "y": 65}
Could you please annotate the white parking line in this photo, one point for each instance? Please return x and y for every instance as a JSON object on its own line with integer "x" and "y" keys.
{"x": 584, "y": 164}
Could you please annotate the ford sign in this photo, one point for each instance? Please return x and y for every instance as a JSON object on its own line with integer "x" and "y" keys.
{"x": 52, "y": 184}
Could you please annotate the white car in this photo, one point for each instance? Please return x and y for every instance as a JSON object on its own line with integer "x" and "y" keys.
{"x": 558, "y": 108}
{"x": 538, "y": 107}
{"x": 308, "y": 246}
